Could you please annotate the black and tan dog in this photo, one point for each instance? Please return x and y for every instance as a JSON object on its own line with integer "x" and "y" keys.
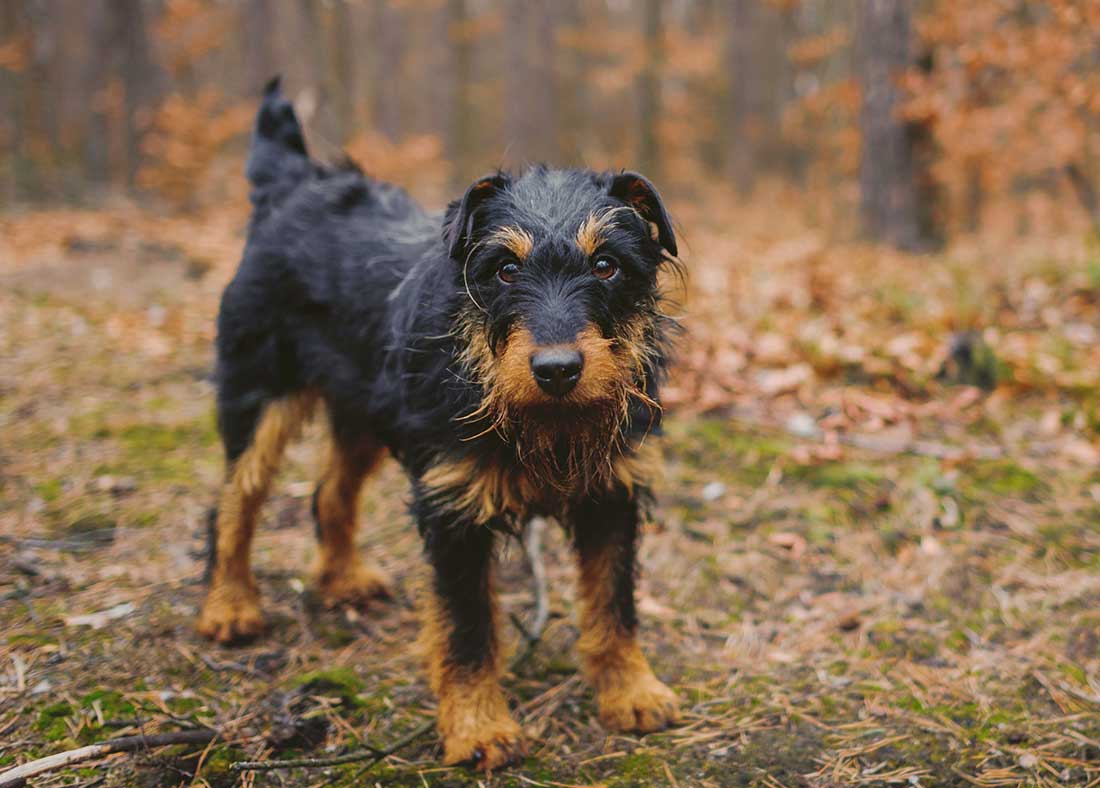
{"x": 507, "y": 354}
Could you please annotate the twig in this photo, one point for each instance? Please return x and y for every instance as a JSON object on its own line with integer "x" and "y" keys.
{"x": 532, "y": 545}
{"x": 368, "y": 753}
{"x": 18, "y": 776}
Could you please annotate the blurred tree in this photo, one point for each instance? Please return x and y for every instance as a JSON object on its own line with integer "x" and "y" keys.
{"x": 649, "y": 89}
{"x": 743, "y": 79}
{"x": 461, "y": 127}
{"x": 887, "y": 178}
{"x": 390, "y": 31}
{"x": 256, "y": 36}
{"x": 532, "y": 96}
{"x": 140, "y": 76}
{"x": 913, "y": 115}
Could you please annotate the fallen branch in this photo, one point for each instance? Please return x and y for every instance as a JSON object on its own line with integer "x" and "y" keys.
{"x": 372, "y": 754}
{"x": 532, "y": 545}
{"x": 19, "y": 775}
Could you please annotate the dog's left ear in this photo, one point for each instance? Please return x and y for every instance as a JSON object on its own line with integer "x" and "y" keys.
{"x": 636, "y": 191}
{"x": 464, "y": 217}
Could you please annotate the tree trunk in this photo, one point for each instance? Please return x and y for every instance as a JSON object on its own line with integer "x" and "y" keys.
{"x": 462, "y": 120}
{"x": 97, "y": 155}
{"x": 532, "y": 85}
{"x": 742, "y": 70}
{"x": 140, "y": 77}
{"x": 887, "y": 177}
{"x": 649, "y": 91}
{"x": 573, "y": 70}
{"x": 257, "y": 29}
{"x": 389, "y": 44}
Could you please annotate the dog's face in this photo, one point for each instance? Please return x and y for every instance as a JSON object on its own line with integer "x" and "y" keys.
{"x": 560, "y": 268}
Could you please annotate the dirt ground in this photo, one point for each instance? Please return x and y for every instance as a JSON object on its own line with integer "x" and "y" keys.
{"x": 910, "y": 598}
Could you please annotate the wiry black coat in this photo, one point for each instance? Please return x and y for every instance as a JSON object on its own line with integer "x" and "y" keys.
{"x": 426, "y": 334}
{"x": 349, "y": 288}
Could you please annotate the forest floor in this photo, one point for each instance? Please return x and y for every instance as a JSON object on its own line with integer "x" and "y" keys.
{"x": 861, "y": 571}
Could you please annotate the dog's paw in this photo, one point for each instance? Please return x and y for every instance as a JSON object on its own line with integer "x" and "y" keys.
{"x": 640, "y": 703}
{"x": 489, "y": 745}
{"x": 356, "y": 585}
{"x": 231, "y": 613}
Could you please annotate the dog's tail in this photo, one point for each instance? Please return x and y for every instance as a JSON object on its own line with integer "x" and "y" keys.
{"x": 278, "y": 161}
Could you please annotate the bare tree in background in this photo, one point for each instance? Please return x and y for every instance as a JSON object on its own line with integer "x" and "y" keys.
{"x": 743, "y": 81}
{"x": 388, "y": 43}
{"x": 887, "y": 176}
{"x": 649, "y": 90}
{"x": 139, "y": 76}
{"x": 532, "y": 88}
{"x": 461, "y": 120}
{"x": 256, "y": 34}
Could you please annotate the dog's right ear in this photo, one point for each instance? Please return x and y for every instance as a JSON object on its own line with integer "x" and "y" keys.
{"x": 465, "y": 217}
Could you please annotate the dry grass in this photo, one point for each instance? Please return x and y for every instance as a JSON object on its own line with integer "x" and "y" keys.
{"x": 860, "y": 575}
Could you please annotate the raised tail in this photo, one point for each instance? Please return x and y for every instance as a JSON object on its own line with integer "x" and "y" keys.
{"x": 278, "y": 161}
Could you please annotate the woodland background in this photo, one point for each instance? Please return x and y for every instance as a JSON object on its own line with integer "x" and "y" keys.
{"x": 876, "y": 560}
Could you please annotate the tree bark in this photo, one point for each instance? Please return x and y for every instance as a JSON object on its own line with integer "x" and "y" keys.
{"x": 532, "y": 85}
{"x": 887, "y": 173}
{"x": 140, "y": 77}
{"x": 649, "y": 91}
{"x": 742, "y": 71}
{"x": 389, "y": 43}
{"x": 462, "y": 122}
{"x": 257, "y": 39}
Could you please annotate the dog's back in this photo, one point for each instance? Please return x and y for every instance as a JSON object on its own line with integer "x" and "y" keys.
{"x": 325, "y": 244}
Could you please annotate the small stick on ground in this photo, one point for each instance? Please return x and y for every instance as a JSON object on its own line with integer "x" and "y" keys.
{"x": 19, "y": 775}
{"x": 532, "y": 545}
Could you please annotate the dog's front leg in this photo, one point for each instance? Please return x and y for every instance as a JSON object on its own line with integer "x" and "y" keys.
{"x": 464, "y": 662}
{"x": 628, "y": 695}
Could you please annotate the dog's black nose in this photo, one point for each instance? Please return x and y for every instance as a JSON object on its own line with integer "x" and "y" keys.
{"x": 557, "y": 369}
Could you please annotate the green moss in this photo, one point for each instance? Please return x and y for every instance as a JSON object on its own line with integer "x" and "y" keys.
{"x": 336, "y": 637}
{"x": 839, "y": 475}
{"x": 111, "y": 704}
{"x": 1004, "y": 477}
{"x": 49, "y": 490}
{"x": 340, "y": 682}
{"x": 51, "y": 721}
{"x": 144, "y": 437}
{"x": 739, "y": 456}
{"x": 215, "y": 768}
{"x": 31, "y": 638}
{"x": 91, "y": 523}
{"x": 638, "y": 769}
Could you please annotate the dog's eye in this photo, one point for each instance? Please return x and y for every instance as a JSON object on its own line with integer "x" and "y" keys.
{"x": 605, "y": 268}
{"x": 508, "y": 273}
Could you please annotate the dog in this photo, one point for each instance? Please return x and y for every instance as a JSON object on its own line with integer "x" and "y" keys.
{"x": 507, "y": 353}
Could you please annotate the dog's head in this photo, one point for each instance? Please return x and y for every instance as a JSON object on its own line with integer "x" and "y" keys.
{"x": 560, "y": 268}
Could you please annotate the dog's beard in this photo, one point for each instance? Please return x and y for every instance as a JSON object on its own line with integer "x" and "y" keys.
{"x": 569, "y": 445}
{"x": 568, "y": 448}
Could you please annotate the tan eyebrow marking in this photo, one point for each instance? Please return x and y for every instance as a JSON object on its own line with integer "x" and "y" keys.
{"x": 516, "y": 240}
{"x": 590, "y": 233}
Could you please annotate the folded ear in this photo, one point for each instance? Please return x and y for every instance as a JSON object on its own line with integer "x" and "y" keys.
{"x": 636, "y": 191}
{"x": 464, "y": 217}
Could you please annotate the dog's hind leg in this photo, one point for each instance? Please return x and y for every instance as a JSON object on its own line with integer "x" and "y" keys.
{"x": 232, "y": 607}
{"x": 343, "y": 576}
